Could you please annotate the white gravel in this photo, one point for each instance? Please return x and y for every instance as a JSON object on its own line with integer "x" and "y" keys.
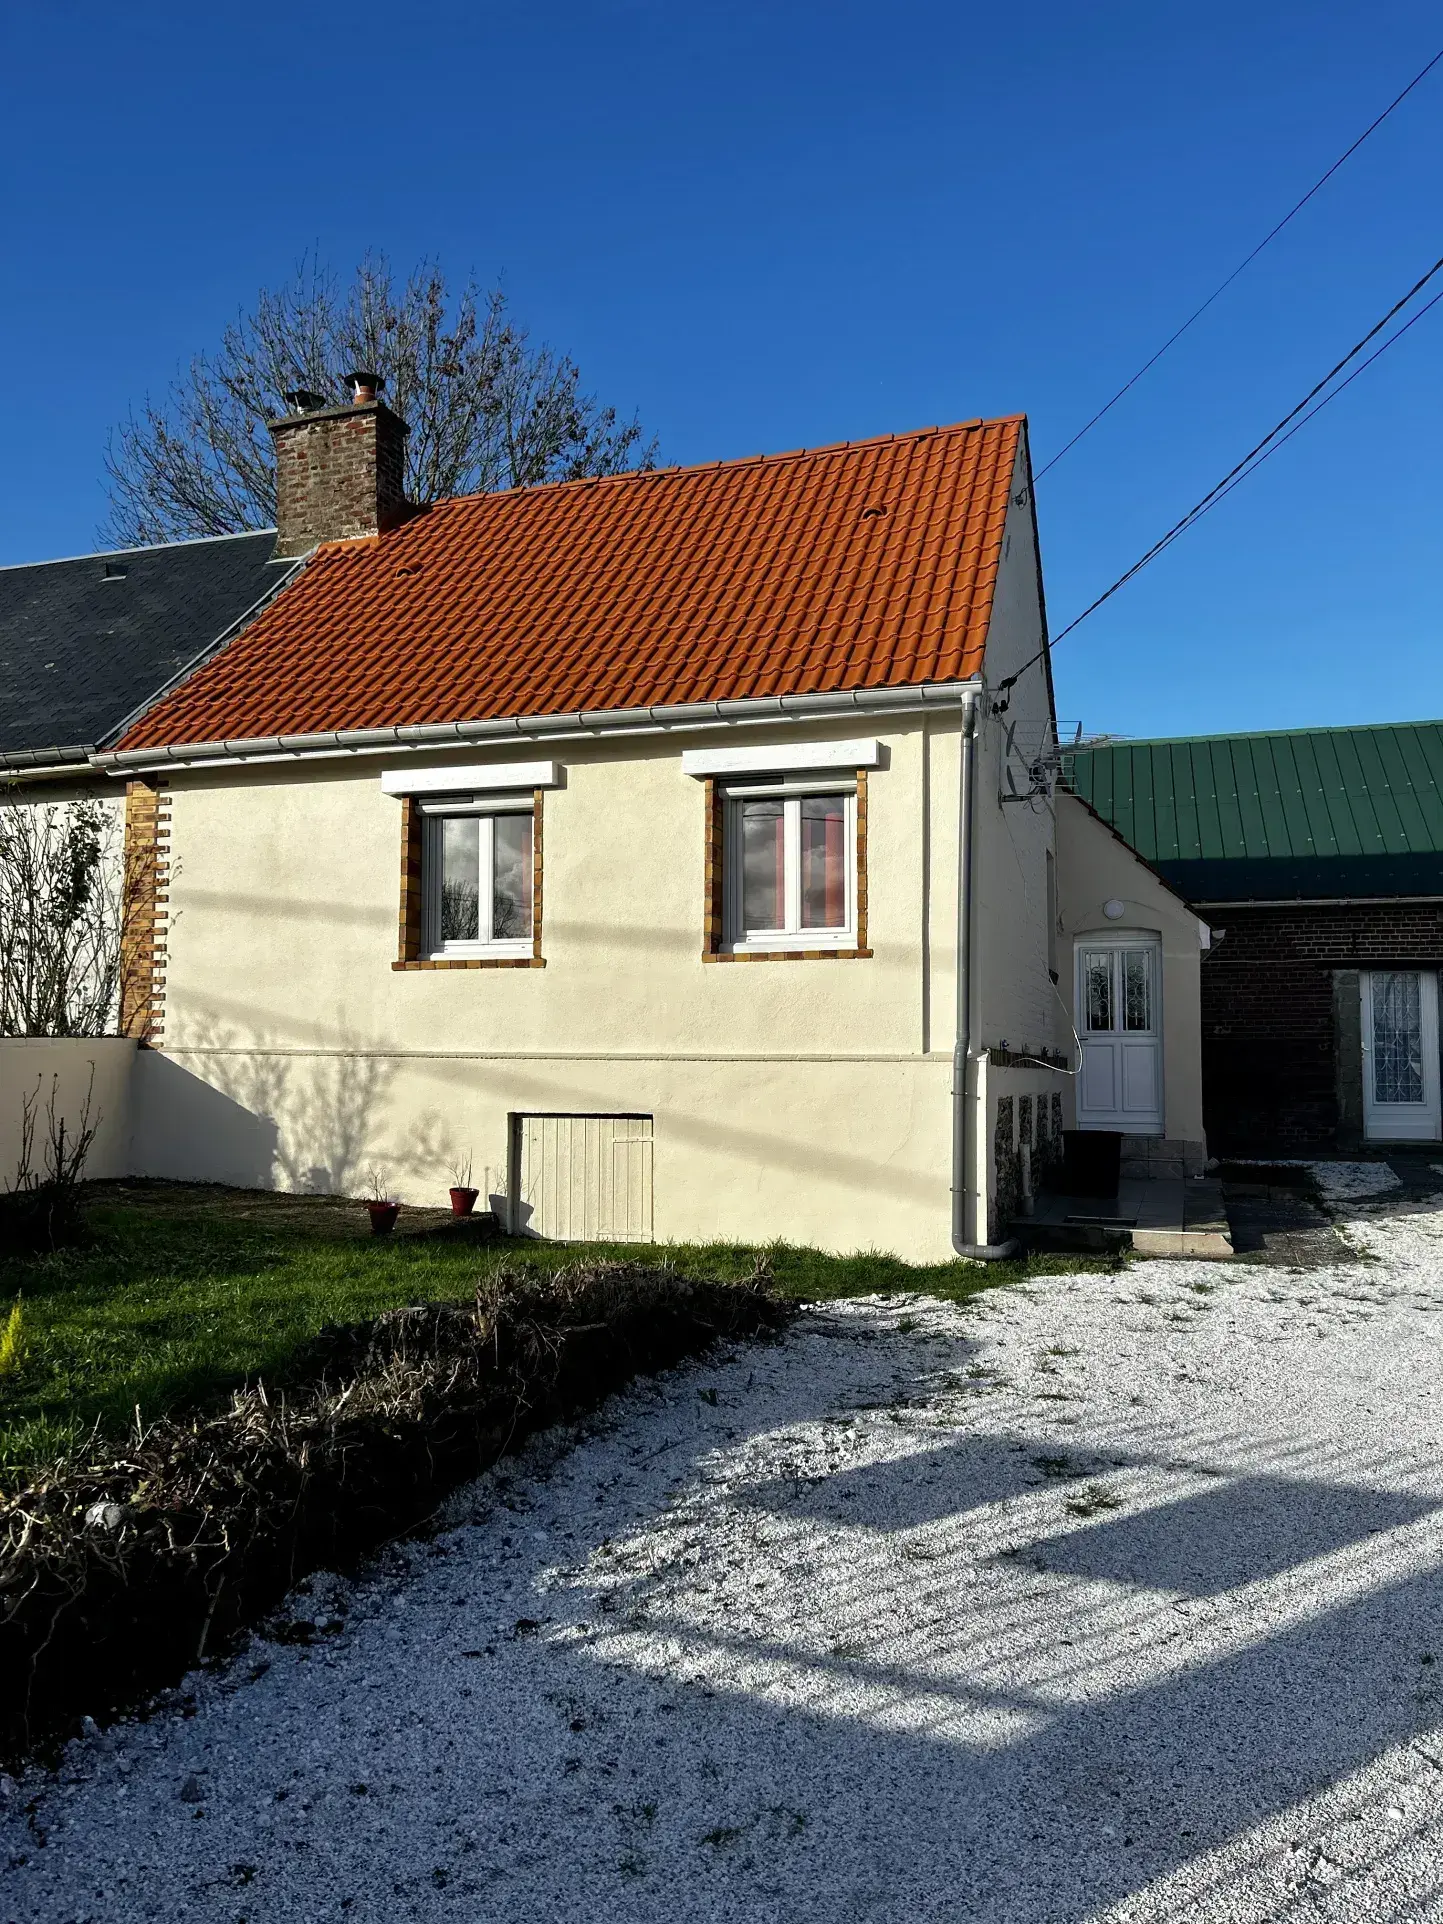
{"x": 1110, "y": 1597}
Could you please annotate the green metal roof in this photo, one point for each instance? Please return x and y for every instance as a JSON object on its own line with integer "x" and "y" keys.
{"x": 1308, "y": 813}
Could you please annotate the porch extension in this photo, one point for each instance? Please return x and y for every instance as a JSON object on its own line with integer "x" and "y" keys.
{"x": 1168, "y": 1216}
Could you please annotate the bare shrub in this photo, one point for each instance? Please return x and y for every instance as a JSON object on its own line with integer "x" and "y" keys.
{"x": 62, "y": 890}
{"x": 41, "y": 1205}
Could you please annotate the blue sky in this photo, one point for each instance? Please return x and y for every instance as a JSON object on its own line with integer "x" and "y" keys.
{"x": 766, "y": 224}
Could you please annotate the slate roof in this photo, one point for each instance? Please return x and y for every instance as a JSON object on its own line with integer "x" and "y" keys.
{"x": 84, "y": 642}
{"x": 1304, "y": 814}
{"x": 867, "y": 565}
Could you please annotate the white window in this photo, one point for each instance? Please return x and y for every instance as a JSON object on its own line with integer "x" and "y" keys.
{"x": 790, "y": 865}
{"x": 476, "y": 879}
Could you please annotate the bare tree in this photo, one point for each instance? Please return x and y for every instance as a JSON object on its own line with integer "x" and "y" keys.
{"x": 486, "y": 409}
{"x": 61, "y": 900}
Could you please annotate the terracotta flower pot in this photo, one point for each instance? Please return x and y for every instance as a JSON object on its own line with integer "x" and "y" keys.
{"x": 383, "y": 1217}
{"x": 463, "y": 1200}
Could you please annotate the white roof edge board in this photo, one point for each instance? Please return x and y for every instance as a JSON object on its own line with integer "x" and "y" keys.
{"x": 766, "y": 758}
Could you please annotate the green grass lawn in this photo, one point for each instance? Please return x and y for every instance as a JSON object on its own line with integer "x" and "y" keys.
{"x": 180, "y": 1293}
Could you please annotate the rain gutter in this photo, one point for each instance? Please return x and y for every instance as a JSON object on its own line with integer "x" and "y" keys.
{"x": 597, "y": 725}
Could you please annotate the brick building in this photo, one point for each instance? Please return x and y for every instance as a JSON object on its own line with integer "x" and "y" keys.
{"x": 1316, "y": 857}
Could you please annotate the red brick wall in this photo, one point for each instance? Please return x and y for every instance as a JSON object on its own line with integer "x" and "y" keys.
{"x": 339, "y": 474}
{"x": 1269, "y": 1062}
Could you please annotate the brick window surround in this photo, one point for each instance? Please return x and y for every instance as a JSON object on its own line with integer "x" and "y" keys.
{"x": 410, "y": 956}
{"x": 714, "y": 924}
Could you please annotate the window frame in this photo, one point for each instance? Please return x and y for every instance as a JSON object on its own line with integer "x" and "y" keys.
{"x": 793, "y": 939}
{"x": 434, "y": 812}
{"x": 416, "y": 947}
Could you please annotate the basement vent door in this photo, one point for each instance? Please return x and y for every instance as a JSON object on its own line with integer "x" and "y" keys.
{"x": 583, "y": 1178}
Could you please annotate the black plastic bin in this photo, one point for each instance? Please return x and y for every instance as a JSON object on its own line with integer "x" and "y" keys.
{"x": 1091, "y": 1159}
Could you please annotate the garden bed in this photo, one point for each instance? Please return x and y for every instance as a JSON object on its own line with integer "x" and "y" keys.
{"x": 120, "y": 1568}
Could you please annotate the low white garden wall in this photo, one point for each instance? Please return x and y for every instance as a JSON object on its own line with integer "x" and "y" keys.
{"x": 41, "y": 1063}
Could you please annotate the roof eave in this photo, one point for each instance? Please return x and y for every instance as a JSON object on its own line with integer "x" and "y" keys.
{"x": 37, "y": 762}
{"x": 659, "y": 720}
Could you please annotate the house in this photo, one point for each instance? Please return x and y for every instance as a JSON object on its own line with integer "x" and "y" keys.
{"x": 665, "y": 846}
{"x": 85, "y": 643}
{"x": 1318, "y": 853}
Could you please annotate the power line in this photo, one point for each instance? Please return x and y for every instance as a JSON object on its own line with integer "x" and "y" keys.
{"x": 1254, "y": 458}
{"x": 1223, "y": 286}
{"x": 1361, "y": 368}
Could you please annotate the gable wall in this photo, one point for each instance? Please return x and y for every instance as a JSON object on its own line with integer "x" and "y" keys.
{"x": 1015, "y": 1009}
{"x": 1016, "y": 1006}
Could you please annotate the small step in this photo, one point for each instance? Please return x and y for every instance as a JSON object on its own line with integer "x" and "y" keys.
{"x": 1173, "y": 1217}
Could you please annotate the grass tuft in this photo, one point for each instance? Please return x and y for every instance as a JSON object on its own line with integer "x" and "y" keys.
{"x": 12, "y": 1341}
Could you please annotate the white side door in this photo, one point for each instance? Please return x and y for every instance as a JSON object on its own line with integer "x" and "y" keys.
{"x": 1400, "y": 1055}
{"x": 1119, "y": 1022}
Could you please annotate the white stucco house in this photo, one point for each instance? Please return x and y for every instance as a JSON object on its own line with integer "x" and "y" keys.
{"x": 668, "y": 846}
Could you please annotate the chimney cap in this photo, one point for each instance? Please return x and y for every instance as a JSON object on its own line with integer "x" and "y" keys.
{"x": 365, "y": 385}
{"x": 305, "y": 400}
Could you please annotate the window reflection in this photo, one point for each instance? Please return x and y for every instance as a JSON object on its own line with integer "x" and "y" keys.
{"x": 763, "y": 865}
{"x": 460, "y": 878}
{"x": 1137, "y": 989}
{"x": 824, "y": 862}
{"x": 1098, "y": 976}
{"x": 511, "y": 889}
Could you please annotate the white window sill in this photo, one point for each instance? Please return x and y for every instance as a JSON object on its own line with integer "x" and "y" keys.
{"x": 481, "y": 951}
{"x": 809, "y": 939}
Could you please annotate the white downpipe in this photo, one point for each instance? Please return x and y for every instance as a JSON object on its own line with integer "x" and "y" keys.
{"x": 963, "y": 1065}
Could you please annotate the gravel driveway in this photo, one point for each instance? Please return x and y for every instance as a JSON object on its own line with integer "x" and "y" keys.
{"x": 1106, "y": 1597}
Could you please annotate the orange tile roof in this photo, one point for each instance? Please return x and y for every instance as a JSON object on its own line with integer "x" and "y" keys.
{"x": 769, "y": 576}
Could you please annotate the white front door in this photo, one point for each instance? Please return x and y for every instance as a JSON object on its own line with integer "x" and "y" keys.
{"x": 1119, "y": 1023}
{"x": 1400, "y": 1054}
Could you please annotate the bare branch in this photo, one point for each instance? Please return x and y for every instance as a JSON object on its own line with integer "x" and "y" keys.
{"x": 486, "y": 409}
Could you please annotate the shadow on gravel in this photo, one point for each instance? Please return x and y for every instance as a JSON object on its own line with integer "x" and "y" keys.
{"x": 653, "y": 1762}
{"x": 1089, "y": 1803}
{"x": 945, "y": 1482}
{"x": 1246, "y": 1529}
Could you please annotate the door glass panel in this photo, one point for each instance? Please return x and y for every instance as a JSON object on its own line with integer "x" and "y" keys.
{"x": 460, "y": 878}
{"x": 1097, "y": 988}
{"x": 763, "y": 865}
{"x": 824, "y": 862}
{"x": 1137, "y": 989}
{"x": 1397, "y": 1037}
{"x": 511, "y": 892}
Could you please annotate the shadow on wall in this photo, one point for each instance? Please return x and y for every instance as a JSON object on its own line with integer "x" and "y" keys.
{"x": 308, "y": 1122}
{"x": 184, "y": 1127}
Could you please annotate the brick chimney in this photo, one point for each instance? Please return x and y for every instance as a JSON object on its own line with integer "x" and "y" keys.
{"x": 339, "y": 470}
